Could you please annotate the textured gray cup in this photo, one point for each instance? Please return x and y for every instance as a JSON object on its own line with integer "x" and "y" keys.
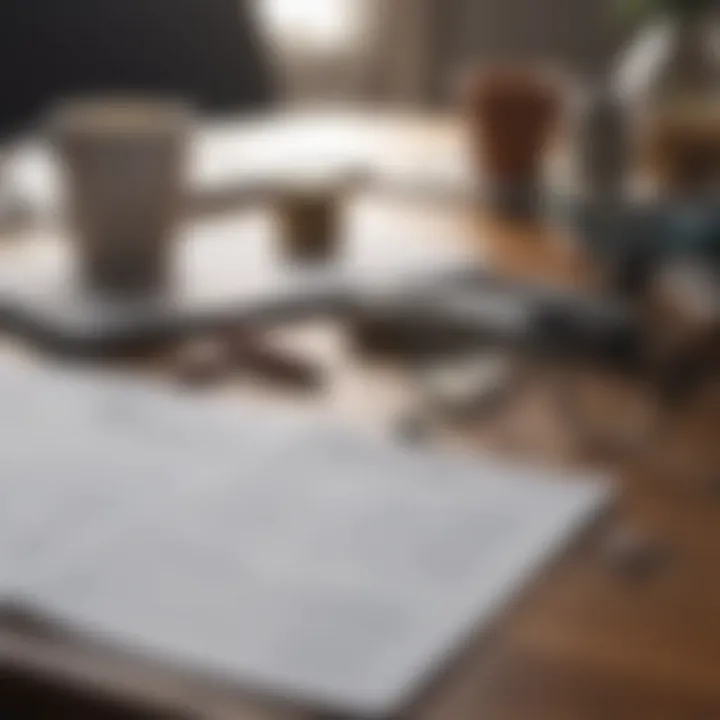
{"x": 123, "y": 164}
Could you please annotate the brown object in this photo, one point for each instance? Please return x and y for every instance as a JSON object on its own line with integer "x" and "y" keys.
{"x": 123, "y": 162}
{"x": 309, "y": 216}
{"x": 579, "y": 645}
{"x": 682, "y": 146}
{"x": 252, "y": 352}
{"x": 634, "y": 554}
{"x": 512, "y": 114}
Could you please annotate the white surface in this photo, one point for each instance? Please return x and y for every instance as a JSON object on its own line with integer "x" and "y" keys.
{"x": 237, "y": 157}
{"x": 295, "y": 558}
{"x": 227, "y": 266}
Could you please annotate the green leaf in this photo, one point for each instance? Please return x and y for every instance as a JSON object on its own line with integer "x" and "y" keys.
{"x": 637, "y": 10}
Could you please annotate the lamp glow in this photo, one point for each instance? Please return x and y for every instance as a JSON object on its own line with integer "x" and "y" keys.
{"x": 313, "y": 24}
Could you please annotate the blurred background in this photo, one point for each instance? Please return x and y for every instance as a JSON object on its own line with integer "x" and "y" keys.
{"x": 413, "y": 51}
{"x": 483, "y": 225}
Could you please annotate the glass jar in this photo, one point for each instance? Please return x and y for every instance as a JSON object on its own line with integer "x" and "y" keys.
{"x": 670, "y": 80}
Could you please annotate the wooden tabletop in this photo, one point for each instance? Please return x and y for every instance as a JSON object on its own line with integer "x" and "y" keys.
{"x": 593, "y": 638}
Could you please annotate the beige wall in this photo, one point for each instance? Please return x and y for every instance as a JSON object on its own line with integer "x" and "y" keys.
{"x": 581, "y": 34}
{"x": 414, "y": 50}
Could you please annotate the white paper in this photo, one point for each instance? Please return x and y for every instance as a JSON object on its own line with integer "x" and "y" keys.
{"x": 294, "y": 558}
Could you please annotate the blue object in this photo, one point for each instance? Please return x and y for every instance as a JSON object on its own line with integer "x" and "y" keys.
{"x": 656, "y": 231}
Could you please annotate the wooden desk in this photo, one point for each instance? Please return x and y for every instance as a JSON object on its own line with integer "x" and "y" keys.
{"x": 584, "y": 642}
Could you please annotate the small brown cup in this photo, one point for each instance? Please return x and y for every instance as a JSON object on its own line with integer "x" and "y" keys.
{"x": 123, "y": 162}
{"x": 310, "y": 222}
{"x": 310, "y": 209}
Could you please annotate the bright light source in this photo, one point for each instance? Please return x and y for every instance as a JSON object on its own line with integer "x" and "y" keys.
{"x": 315, "y": 24}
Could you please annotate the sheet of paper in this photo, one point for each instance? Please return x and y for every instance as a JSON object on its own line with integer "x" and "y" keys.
{"x": 80, "y": 454}
{"x": 292, "y": 557}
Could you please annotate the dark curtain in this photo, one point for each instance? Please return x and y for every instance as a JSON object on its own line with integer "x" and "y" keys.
{"x": 204, "y": 51}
